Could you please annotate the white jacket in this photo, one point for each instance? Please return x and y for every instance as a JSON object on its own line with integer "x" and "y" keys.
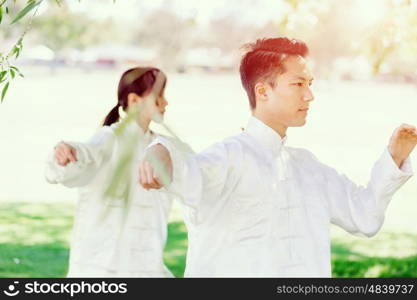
{"x": 257, "y": 208}
{"x": 113, "y": 237}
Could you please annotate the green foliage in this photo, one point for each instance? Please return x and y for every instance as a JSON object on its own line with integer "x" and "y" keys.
{"x": 4, "y": 91}
{"x": 31, "y": 5}
{"x": 58, "y": 29}
{"x": 8, "y": 71}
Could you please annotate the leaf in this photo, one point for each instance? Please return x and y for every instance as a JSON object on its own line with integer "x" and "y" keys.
{"x": 17, "y": 70}
{"x": 2, "y": 75}
{"x": 17, "y": 48}
{"x": 12, "y": 73}
{"x": 7, "y": 10}
{"x": 3, "y": 93}
{"x": 24, "y": 11}
{"x": 15, "y": 51}
{"x": 1, "y": 13}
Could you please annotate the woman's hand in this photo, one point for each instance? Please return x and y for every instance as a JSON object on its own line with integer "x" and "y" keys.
{"x": 65, "y": 154}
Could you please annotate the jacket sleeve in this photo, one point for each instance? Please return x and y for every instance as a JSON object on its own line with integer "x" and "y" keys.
{"x": 90, "y": 157}
{"x": 361, "y": 210}
{"x": 198, "y": 177}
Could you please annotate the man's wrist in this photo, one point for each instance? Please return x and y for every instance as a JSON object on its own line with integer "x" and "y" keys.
{"x": 398, "y": 160}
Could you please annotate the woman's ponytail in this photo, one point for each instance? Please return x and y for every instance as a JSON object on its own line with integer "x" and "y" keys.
{"x": 112, "y": 117}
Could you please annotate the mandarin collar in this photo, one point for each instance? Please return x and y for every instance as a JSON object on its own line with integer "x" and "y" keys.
{"x": 266, "y": 136}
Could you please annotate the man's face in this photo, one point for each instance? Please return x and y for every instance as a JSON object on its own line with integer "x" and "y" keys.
{"x": 288, "y": 101}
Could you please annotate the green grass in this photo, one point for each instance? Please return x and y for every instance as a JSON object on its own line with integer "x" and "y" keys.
{"x": 347, "y": 263}
{"x": 176, "y": 248}
{"x": 34, "y": 242}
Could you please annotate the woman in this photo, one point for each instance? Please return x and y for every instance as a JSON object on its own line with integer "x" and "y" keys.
{"x": 122, "y": 235}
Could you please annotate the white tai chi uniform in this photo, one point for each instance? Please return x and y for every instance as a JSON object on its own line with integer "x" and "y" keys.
{"x": 113, "y": 237}
{"x": 257, "y": 208}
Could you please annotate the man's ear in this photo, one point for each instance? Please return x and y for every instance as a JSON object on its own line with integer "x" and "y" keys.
{"x": 261, "y": 91}
{"x": 133, "y": 98}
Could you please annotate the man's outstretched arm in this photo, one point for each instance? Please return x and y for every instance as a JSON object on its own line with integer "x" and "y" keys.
{"x": 361, "y": 210}
{"x": 155, "y": 171}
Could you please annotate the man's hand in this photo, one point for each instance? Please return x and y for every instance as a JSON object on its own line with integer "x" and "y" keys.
{"x": 155, "y": 171}
{"x": 402, "y": 143}
{"x": 64, "y": 154}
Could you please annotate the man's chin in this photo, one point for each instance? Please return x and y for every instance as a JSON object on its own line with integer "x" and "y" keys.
{"x": 299, "y": 124}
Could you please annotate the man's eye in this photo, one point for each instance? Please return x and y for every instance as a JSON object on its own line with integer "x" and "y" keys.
{"x": 299, "y": 84}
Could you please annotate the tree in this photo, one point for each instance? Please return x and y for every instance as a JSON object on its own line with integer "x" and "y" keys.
{"x": 167, "y": 33}
{"x": 7, "y": 71}
{"x": 394, "y": 37}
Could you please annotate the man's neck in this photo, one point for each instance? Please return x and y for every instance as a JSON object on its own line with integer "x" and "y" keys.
{"x": 278, "y": 128}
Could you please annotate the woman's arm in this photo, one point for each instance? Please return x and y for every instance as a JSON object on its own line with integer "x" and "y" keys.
{"x": 75, "y": 164}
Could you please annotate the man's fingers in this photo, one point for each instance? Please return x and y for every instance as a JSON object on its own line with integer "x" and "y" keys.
{"x": 155, "y": 178}
{"x": 405, "y": 130}
{"x": 411, "y": 132}
{"x": 147, "y": 176}
{"x": 153, "y": 185}
{"x": 148, "y": 172}
{"x": 148, "y": 186}
{"x": 407, "y": 127}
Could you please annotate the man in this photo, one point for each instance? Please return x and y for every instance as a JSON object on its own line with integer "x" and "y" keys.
{"x": 258, "y": 208}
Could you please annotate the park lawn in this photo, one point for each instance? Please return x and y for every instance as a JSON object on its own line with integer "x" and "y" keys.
{"x": 34, "y": 242}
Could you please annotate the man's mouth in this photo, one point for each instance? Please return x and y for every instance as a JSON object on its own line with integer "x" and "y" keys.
{"x": 304, "y": 109}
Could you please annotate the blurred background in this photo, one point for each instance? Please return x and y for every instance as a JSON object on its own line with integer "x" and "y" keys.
{"x": 362, "y": 54}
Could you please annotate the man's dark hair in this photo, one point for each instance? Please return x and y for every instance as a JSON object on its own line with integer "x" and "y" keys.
{"x": 263, "y": 61}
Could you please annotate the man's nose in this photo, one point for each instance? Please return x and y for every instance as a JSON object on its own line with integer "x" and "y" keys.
{"x": 308, "y": 96}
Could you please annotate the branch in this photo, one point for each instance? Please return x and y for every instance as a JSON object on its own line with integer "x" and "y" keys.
{"x": 8, "y": 71}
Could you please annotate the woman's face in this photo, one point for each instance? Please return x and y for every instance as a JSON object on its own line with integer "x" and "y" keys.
{"x": 157, "y": 105}
{"x": 152, "y": 105}
{"x": 161, "y": 103}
